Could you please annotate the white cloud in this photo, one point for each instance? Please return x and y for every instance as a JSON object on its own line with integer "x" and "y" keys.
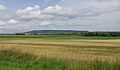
{"x": 91, "y": 7}
{"x": 8, "y": 22}
{"x": 29, "y": 12}
{"x": 44, "y": 23}
{"x": 60, "y": 11}
{"x": 50, "y": 12}
{"x": 2, "y": 7}
{"x": 12, "y": 21}
{"x": 2, "y": 23}
{"x": 87, "y": 9}
{"x": 53, "y": 9}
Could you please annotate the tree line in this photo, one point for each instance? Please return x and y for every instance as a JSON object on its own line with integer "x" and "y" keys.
{"x": 103, "y": 34}
{"x": 90, "y": 34}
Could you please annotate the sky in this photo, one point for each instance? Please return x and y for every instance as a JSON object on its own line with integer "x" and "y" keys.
{"x": 89, "y": 15}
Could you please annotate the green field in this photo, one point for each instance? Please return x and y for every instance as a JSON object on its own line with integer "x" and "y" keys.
{"x": 53, "y": 37}
{"x": 59, "y": 52}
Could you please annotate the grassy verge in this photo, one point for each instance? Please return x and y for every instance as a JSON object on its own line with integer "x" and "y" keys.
{"x": 17, "y": 60}
{"x": 53, "y": 37}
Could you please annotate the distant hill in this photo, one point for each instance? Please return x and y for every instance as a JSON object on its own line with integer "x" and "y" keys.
{"x": 54, "y": 31}
{"x": 72, "y": 32}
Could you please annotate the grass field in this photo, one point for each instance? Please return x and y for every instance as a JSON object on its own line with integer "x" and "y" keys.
{"x": 59, "y": 52}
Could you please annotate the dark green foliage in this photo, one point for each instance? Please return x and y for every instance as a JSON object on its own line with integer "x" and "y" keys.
{"x": 103, "y": 34}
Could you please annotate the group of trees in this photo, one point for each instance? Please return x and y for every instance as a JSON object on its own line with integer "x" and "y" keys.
{"x": 103, "y": 34}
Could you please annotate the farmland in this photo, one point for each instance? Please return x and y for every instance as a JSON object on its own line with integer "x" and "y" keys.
{"x": 71, "y": 51}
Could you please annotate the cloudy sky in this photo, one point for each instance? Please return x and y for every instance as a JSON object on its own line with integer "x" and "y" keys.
{"x": 27, "y": 15}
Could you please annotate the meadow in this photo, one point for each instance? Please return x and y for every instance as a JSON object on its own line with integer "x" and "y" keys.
{"x": 59, "y": 52}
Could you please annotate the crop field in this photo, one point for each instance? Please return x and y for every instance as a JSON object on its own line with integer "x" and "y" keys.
{"x": 64, "y": 52}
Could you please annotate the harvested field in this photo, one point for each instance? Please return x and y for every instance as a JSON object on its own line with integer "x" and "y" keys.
{"x": 77, "y": 49}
